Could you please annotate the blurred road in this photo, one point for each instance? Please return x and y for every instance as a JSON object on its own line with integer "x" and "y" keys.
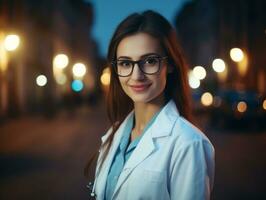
{"x": 44, "y": 159}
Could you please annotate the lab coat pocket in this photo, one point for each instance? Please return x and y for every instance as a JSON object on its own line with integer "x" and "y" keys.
{"x": 149, "y": 185}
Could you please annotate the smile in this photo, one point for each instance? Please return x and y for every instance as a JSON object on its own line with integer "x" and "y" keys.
{"x": 140, "y": 88}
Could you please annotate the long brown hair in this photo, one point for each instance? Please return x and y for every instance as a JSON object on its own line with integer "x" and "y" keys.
{"x": 118, "y": 103}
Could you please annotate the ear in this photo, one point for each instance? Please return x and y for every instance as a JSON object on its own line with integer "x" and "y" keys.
{"x": 170, "y": 69}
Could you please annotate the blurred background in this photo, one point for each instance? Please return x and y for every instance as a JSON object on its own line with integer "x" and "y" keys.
{"x": 53, "y": 81}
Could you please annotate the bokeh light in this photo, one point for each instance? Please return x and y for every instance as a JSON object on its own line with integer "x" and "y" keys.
{"x": 61, "y": 79}
{"x": 11, "y": 42}
{"x": 105, "y": 77}
{"x": 77, "y": 85}
{"x": 3, "y": 56}
{"x": 241, "y": 106}
{"x": 236, "y": 54}
{"x": 60, "y": 61}
{"x": 41, "y": 80}
{"x": 79, "y": 70}
{"x": 194, "y": 82}
{"x": 243, "y": 65}
{"x": 199, "y": 72}
{"x": 264, "y": 104}
{"x": 218, "y": 65}
{"x": 206, "y": 99}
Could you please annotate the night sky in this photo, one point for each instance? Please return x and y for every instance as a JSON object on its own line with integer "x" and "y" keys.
{"x": 108, "y": 13}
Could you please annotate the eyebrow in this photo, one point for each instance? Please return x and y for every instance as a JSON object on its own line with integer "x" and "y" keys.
{"x": 143, "y": 56}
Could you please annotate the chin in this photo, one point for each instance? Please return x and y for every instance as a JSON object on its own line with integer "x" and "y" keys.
{"x": 140, "y": 100}
{"x": 143, "y": 98}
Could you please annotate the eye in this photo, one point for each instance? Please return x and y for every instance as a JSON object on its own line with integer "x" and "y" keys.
{"x": 151, "y": 61}
{"x": 123, "y": 63}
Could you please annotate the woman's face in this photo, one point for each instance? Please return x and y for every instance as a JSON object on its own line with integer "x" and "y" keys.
{"x": 141, "y": 87}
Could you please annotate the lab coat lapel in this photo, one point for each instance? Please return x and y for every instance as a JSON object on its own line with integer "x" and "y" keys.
{"x": 108, "y": 161}
{"x": 145, "y": 148}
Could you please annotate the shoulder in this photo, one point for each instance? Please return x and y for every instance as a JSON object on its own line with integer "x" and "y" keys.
{"x": 186, "y": 134}
{"x": 192, "y": 149}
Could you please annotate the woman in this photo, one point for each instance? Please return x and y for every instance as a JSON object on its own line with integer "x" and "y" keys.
{"x": 151, "y": 151}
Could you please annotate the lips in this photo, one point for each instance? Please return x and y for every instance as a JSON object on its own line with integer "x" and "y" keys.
{"x": 140, "y": 87}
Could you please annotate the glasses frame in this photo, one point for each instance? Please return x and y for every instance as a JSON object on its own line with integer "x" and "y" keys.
{"x": 139, "y": 63}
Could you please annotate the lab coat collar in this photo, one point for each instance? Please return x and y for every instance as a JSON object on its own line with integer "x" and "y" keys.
{"x": 168, "y": 114}
{"x": 165, "y": 120}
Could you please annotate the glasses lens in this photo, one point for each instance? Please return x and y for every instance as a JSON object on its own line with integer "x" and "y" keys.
{"x": 151, "y": 65}
{"x": 123, "y": 67}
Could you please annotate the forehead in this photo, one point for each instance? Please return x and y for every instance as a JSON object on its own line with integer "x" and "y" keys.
{"x": 134, "y": 46}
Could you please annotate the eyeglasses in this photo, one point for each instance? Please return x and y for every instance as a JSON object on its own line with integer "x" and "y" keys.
{"x": 148, "y": 65}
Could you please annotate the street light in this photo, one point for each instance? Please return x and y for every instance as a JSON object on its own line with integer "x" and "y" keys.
{"x": 41, "y": 80}
{"x": 105, "y": 77}
{"x": 3, "y": 56}
{"x": 193, "y": 81}
{"x": 11, "y": 42}
{"x": 264, "y": 104}
{"x": 79, "y": 70}
{"x": 236, "y": 54}
{"x": 199, "y": 72}
{"x": 206, "y": 99}
{"x": 60, "y": 61}
{"x": 241, "y": 106}
{"x": 218, "y": 65}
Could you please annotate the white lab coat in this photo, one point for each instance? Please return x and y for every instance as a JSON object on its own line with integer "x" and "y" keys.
{"x": 173, "y": 160}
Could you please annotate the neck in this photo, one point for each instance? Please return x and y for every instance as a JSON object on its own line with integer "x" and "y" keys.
{"x": 144, "y": 113}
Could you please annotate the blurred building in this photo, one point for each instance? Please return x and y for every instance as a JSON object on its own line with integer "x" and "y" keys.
{"x": 228, "y": 40}
{"x": 210, "y": 29}
{"x": 46, "y": 28}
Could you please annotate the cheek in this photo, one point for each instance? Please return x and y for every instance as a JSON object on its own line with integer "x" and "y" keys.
{"x": 162, "y": 84}
{"x": 123, "y": 81}
{"x": 159, "y": 84}
{"x": 162, "y": 79}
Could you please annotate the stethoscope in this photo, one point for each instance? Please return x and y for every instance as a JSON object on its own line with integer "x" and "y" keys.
{"x": 91, "y": 185}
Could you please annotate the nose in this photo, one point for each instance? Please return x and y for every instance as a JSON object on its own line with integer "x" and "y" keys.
{"x": 137, "y": 74}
